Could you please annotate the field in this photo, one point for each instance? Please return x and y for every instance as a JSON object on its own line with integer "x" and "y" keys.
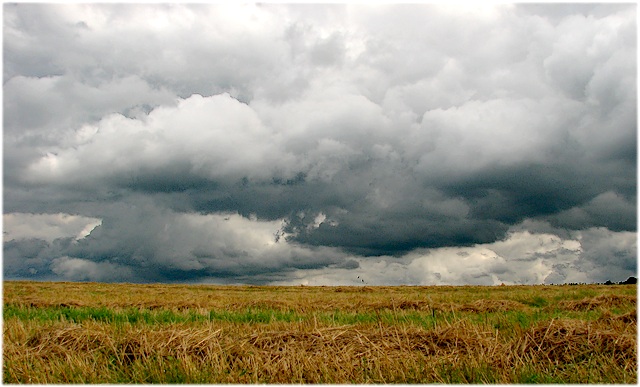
{"x": 123, "y": 333}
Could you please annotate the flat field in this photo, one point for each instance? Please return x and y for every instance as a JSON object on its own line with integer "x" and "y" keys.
{"x": 123, "y": 333}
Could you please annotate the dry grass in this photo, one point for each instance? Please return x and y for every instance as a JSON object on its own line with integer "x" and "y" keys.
{"x": 604, "y": 301}
{"x": 481, "y": 340}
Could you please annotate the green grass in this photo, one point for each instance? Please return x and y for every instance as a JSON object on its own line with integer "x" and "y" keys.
{"x": 146, "y": 316}
{"x": 101, "y": 314}
{"x": 465, "y": 374}
{"x": 264, "y": 316}
{"x": 250, "y": 315}
{"x": 502, "y": 320}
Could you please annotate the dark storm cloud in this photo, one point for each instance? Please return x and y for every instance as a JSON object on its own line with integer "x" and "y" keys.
{"x": 558, "y": 192}
{"x": 323, "y": 135}
{"x": 26, "y": 258}
{"x": 610, "y": 210}
{"x": 146, "y": 243}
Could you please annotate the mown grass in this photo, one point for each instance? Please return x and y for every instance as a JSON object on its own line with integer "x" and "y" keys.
{"x": 121, "y": 333}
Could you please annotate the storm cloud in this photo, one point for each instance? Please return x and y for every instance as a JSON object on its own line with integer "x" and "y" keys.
{"x": 414, "y": 144}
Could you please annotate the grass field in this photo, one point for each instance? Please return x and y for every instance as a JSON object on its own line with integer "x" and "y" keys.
{"x": 122, "y": 333}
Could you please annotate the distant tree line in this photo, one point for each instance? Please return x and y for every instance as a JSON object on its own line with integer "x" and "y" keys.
{"x": 628, "y": 281}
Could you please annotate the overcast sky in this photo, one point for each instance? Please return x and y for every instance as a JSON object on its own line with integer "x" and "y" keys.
{"x": 320, "y": 144}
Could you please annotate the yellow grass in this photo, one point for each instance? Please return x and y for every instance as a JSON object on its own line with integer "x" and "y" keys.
{"x": 519, "y": 334}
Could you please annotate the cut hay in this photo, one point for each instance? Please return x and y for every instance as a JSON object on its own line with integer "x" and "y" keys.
{"x": 386, "y": 341}
{"x": 492, "y": 306}
{"x": 572, "y": 341}
{"x": 604, "y": 301}
{"x": 135, "y": 343}
{"x": 627, "y": 318}
{"x": 126, "y": 334}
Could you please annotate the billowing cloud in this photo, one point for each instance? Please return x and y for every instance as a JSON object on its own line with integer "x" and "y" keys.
{"x": 275, "y": 143}
{"x": 146, "y": 243}
{"x": 593, "y": 255}
{"x": 47, "y": 227}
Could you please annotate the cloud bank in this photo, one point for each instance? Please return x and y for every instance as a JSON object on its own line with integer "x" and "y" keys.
{"x": 415, "y": 144}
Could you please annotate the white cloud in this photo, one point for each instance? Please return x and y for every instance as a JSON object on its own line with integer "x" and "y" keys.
{"x": 215, "y": 137}
{"x": 483, "y": 134}
{"x": 58, "y": 103}
{"x": 608, "y": 255}
{"x": 48, "y": 227}
{"x": 75, "y": 269}
{"x": 594, "y": 255}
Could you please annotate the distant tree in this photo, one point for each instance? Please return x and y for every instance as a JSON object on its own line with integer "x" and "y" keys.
{"x": 608, "y": 282}
{"x": 630, "y": 281}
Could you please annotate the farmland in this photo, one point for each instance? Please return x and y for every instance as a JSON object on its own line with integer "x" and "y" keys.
{"x": 125, "y": 333}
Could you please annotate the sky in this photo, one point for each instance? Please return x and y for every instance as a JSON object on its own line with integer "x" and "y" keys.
{"x": 339, "y": 144}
